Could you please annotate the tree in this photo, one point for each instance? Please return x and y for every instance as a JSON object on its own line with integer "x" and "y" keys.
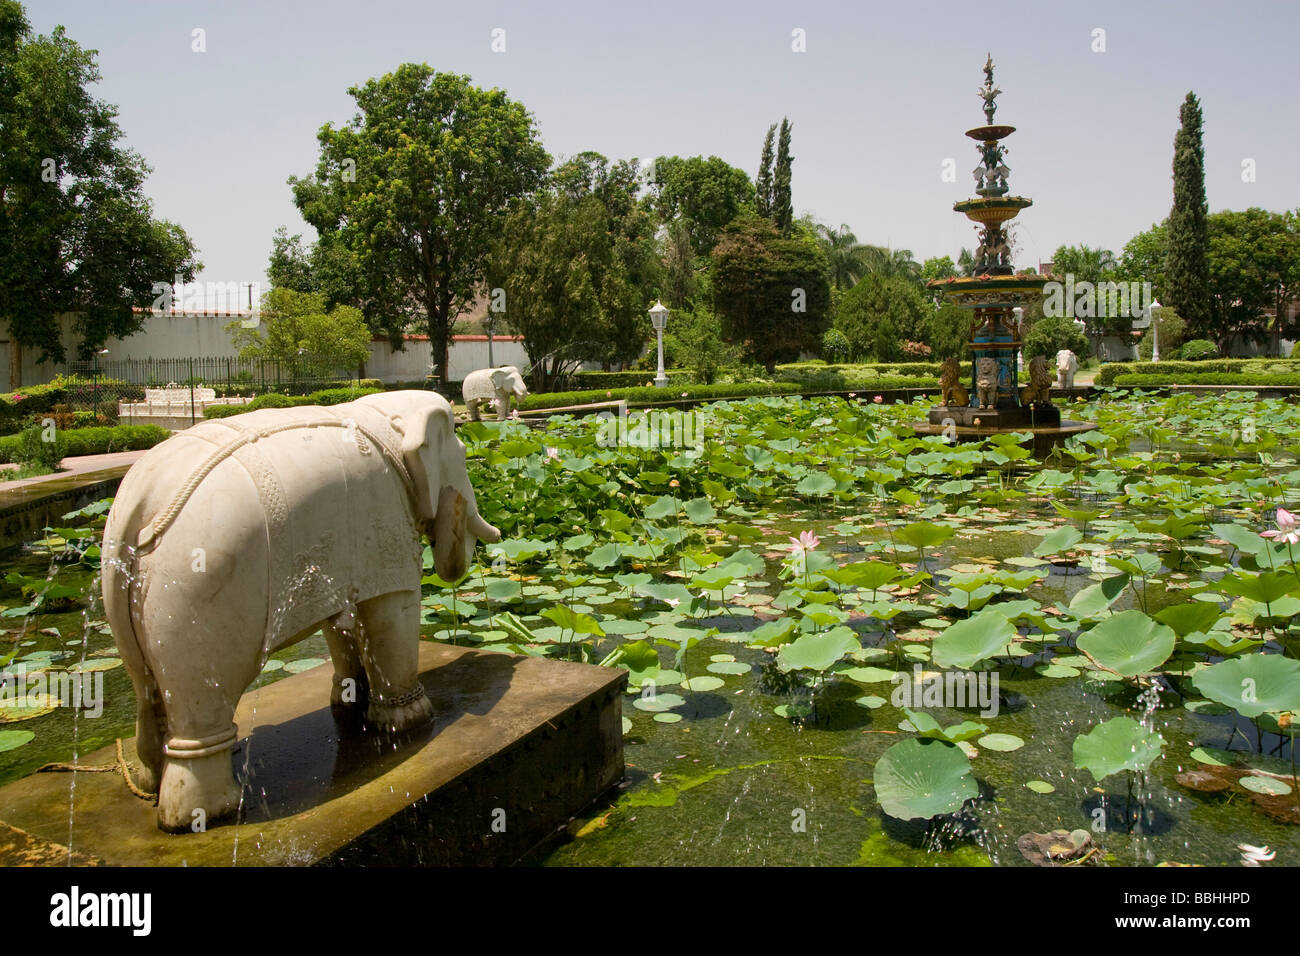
{"x": 681, "y": 280}
{"x": 1050, "y": 335}
{"x": 706, "y": 194}
{"x": 948, "y": 332}
{"x": 879, "y": 314}
{"x": 1144, "y": 258}
{"x": 891, "y": 263}
{"x": 847, "y": 256}
{"x": 309, "y": 340}
{"x": 1254, "y": 264}
{"x": 763, "y": 184}
{"x": 966, "y": 262}
{"x": 782, "y": 207}
{"x": 771, "y": 292}
{"x": 410, "y": 194}
{"x": 578, "y": 270}
{"x": 77, "y": 233}
{"x": 1187, "y": 268}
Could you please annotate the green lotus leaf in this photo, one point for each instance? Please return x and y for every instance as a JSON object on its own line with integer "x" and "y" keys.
{"x": 917, "y": 779}
{"x": 817, "y": 652}
{"x": 1128, "y": 643}
{"x": 1189, "y": 618}
{"x": 968, "y": 642}
{"x": 923, "y": 534}
{"x": 1253, "y": 684}
{"x": 1059, "y": 541}
{"x": 1120, "y": 743}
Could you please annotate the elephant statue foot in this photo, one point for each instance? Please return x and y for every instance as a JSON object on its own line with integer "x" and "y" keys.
{"x": 198, "y": 784}
{"x": 401, "y": 712}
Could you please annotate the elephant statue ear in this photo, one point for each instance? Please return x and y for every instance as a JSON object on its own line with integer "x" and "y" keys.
{"x": 420, "y": 428}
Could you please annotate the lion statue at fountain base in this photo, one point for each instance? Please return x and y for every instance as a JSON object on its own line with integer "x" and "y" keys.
{"x": 1039, "y": 389}
{"x": 951, "y": 392}
{"x": 986, "y": 382}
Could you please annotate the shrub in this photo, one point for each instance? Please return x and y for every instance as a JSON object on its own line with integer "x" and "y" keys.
{"x": 1050, "y": 335}
{"x": 82, "y": 441}
{"x": 916, "y": 351}
{"x": 326, "y": 396}
{"x": 1198, "y": 350}
{"x": 1249, "y": 369}
{"x": 33, "y": 448}
{"x": 835, "y": 347}
{"x": 1206, "y": 378}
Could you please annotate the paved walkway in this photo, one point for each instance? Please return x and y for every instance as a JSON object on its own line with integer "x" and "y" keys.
{"x": 79, "y": 465}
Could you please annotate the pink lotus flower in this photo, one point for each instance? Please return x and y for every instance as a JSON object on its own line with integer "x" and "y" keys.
{"x": 553, "y": 454}
{"x": 877, "y": 399}
{"x": 806, "y": 541}
{"x": 1288, "y": 529}
{"x": 853, "y": 394}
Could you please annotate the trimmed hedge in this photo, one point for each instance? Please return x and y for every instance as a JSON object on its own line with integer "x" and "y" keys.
{"x": 93, "y": 441}
{"x": 795, "y": 370}
{"x": 1259, "y": 366}
{"x": 1208, "y": 378}
{"x": 243, "y": 389}
{"x": 326, "y": 396}
{"x": 631, "y": 379}
{"x": 645, "y": 396}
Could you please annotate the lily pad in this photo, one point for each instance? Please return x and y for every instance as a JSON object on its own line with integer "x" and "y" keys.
{"x": 1254, "y": 684}
{"x": 919, "y": 780}
{"x": 1003, "y": 743}
{"x": 1129, "y": 643}
{"x": 1120, "y": 743}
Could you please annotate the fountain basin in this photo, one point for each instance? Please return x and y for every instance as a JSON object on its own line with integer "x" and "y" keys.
{"x": 518, "y": 745}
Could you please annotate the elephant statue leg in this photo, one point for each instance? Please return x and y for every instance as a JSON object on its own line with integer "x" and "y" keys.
{"x": 148, "y": 737}
{"x": 503, "y": 405}
{"x": 390, "y": 649}
{"x": 350, "y": 687}
{"x": 198, "y": 782}
{"x": 471, "y": 406}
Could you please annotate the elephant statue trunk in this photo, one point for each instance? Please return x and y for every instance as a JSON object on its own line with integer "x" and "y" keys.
{"x": 244, "y": 535}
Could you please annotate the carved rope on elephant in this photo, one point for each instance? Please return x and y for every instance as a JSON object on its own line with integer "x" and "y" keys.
{"x": 243, "y": 442}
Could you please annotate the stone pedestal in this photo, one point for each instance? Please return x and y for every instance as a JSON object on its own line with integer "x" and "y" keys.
{"x": 518, "y": 745}
{"x": 1004, "y": 417}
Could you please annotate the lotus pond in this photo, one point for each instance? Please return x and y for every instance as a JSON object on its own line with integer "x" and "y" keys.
{"x": 791, "y": 597}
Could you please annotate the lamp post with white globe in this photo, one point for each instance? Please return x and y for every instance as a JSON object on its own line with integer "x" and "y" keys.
{"x": 1155, "y": 331}
{"x": 659, "y": 318}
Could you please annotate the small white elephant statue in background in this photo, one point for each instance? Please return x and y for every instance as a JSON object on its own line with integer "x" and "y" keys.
{"x": 247, "y": 534}
{"x": 493, "y": 385}
{"x": 1067, "y": 363}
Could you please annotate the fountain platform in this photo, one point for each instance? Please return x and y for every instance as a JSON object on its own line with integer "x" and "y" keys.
{"x": 518, "y": 746}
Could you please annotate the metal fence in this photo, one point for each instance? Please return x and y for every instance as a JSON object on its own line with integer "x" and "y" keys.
{"x": 307, "y": 375}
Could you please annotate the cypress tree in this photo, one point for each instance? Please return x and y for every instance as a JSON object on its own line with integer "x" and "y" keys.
{"x": 763, "y": 185}
{"x": 1187, "y": 268}
{"x": 782, "y": 210}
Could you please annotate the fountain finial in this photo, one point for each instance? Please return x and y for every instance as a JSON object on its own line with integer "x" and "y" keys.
{"x": 988, "y": 92}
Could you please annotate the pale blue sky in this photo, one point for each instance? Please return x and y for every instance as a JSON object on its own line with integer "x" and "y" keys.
{"x": 879, "y": 100}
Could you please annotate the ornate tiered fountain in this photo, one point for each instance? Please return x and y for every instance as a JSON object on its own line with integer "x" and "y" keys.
{"x": 995, "y": 402}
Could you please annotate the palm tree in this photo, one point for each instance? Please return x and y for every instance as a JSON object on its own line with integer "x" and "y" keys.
{"x": 892, "y": 263}
{"x": 846, "y": 255}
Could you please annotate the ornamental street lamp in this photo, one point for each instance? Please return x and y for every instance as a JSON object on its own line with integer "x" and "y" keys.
{"x": 659, "y": 318}
{"x": 1155, "y": 331}
{"x": 489, "y": 321}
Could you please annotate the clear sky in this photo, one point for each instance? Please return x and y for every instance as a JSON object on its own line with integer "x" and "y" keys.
{"x": 879, "y": 100}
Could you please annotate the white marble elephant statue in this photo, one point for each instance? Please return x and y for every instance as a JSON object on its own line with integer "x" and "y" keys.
{"x": 246, "y": 534}
{"x": 1066, "y": 365}
{"x": 493, "y": 385}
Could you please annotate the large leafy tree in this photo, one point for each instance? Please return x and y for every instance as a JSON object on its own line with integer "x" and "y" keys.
{"x": 1254, "y": 266}
{"x": 1144, "y": 258}
{"x": 578, "y": 264}
{"x": 1187, "y": 269}
{"x": 771, "y": 292}
{"x": 704, "y": 194}
{"x": 77, "y": 233}
{"x": 409, "y": 195}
